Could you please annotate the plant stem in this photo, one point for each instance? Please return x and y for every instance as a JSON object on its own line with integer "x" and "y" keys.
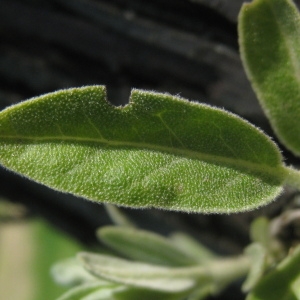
{"x": 292, "y": 177}
{"x": 222, "y": 272}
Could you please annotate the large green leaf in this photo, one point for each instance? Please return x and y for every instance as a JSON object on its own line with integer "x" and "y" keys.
{"x": 158, "y": 151}
{"x": 269, "y": 33}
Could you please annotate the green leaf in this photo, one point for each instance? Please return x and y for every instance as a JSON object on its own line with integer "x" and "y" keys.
{"x": 260, "y": 232}
{"x": 70, "y": 273}
{"x": 202, "y": 293}
{"x": 258, "y": 257}
{"x": 158, "y": 151}
{"x": 269, "y": 33}
{"x": 130, "y": 293}
{"x": 118, "y": 217}
{"x": 95, "y": 291}
{"x": 141, "y": 274}
{"x": 90, "y": 291}
{"x": 143, "y": 246}
{"x": 281, "y": 283}
{"x": 192, "y": 248}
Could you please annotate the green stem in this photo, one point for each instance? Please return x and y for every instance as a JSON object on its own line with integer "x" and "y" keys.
{"x": 292, "y": 177}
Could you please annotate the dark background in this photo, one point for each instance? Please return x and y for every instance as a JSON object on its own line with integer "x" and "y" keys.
{"x": 184, "y": 47}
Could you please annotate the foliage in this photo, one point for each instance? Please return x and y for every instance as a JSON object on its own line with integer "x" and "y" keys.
{"x": 161, "y": 151}
{"x": 271, "y": 60}
{"x": 160, "y": 273}
{"x": 165, "y": 152}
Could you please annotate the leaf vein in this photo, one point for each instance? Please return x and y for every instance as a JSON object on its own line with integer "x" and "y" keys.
{"x": 274, "y": 170}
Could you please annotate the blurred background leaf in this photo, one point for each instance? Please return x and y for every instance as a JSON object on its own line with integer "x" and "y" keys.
{"x": 28, "y": 248}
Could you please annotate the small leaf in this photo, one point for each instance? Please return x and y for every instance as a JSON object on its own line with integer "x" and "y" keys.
{"x": 260, "y": 232}
{"x": 143, "y": 246}
{"x": 70, "y": 273}
{"x": 202, "y": 293}
{"x": 158, "y": 151}
{"x": 117, "y": 216}
{"x": 130, "y": 293}
{"x": 87, "y": 290}
{"x": 140, "y": 274}
{"x": 258, "y": 257}
{"x": 192, "y": 248}
{"x": 282, "y": 282}
{"x": 270, "y": 48}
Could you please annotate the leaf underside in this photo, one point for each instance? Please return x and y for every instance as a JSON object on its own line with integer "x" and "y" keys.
{"x": 157, "y": 151}
{"x": 269, "y": 33}
{"x": 141, "y": 275}
{"x": 144, "y": 246}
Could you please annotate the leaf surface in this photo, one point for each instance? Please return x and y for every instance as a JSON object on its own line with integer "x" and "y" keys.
{"x": 158, "y": 151}
{"x": 258, "y": 257}
{"x": 192, "y": 248}
{"x": 69, "y": 272}
{"x": 90, "y": 291}
{"x": 260, "y": 232}
{"x": 142, "y": 275}
{"x": 144, "y": 246}
{"x": 269, "y": 33}
{"x": 131, "y": 293}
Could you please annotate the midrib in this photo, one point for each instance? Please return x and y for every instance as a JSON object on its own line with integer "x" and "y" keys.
{"x": 276, "y": 171}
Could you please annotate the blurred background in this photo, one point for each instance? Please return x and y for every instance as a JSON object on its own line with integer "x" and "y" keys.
{"x": 183, "y": 47}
